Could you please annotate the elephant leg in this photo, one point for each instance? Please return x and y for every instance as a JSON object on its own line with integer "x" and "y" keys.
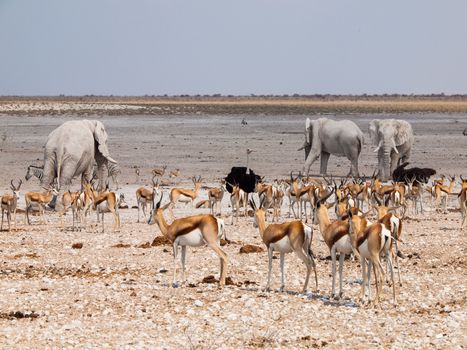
{"x": 380, "y": 172}
{"x": 312, "y": 156}
{"x": 324, "y": 162}
{"x": 49, "y": 173}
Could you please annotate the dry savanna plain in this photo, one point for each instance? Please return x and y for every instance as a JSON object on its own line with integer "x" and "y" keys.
{"x": 87, "y": 289}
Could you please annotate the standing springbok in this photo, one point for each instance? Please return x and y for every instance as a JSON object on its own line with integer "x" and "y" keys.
{"x": 285, "y": 238}
{"x": 107, "y": 202}
{"x": 215, "y": 196}
{"x": 463, "y": 201}
{"x": 237, "y": 200}
{"x": 336, "y": 237}
{"x": 442, "y": 193}
{"x": 184, "y": 195}
{"x": 145, "y": 196}
{"x": 192, "y": 231}
{"x": 159, "y": 171}
{"x": 70, "y": 200}
{"x": 9, "y": 203}
{"x": 41, "y": 199}
{"x": 370, "y": 242}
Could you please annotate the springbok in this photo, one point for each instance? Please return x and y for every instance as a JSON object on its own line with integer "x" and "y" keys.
{"x": 192, "y": 231}
{"x": 184, "y": 195}
{"x": 145, "y": 196}
{"x": 70, "y": 200}
{"x": 9, "y": 203}
{"x": 463, "y": 201}
{"x": 370, "y": 242}
{"x": 285, "y": 238}
{"x": 159, "y": 171}
{"x": 215, "y": 196}
{"x": 107, "y": 202}
{"x": 336, "y": 237}
{"x": 41, "y": 199}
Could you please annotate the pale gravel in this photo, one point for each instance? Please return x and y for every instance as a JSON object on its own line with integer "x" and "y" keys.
{"x": 107, "y": 297}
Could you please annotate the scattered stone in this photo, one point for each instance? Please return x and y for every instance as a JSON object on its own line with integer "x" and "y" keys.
{"x": 209, "y": 279}
{"x": 251, "y": 248}
{"x": 19, "y": 314}
{"x": 161, "y": 240}
{"x": 77, "y": 245}
{"x": 121, "y": 245}
{"x": 144, "y": 245}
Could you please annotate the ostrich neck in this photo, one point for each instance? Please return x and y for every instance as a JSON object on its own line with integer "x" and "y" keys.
{"x": 247, "y": 163}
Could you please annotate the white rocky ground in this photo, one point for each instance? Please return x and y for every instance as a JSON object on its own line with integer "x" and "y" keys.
{"x": 114, "y": 292}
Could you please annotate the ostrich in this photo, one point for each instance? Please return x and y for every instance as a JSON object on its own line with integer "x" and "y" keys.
{"x": 244, "y": 177}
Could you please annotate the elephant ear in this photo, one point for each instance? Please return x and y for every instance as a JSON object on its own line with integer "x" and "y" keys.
{"x": 100, "y": 135}
{"x": 403, "y": 132}
{"x": 373, "y": 129}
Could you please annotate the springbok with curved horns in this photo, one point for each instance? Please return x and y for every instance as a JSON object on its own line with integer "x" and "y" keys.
{"x": 184, "y": 195}
{"x": 9, "y": 203}
{"x": 336, "y": 237}
{"x": 145, "y": 196}
{"x": 293, "y": 236}
{"x": 463, "y": 201}
{"x": 192, "y": 231}
{"x": 41, "y": 199}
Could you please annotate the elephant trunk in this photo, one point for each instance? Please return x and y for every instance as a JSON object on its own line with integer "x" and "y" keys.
{"x": 386, "y": 161}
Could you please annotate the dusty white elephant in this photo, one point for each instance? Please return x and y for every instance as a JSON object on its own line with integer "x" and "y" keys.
{"x": 71, "y": 150}
{"x": 394, "y": 139}
{"x": 324, "y": 137}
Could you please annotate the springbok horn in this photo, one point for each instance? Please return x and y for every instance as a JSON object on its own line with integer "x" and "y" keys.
{"x": 252, "y": 204}
{"x": 322, "y": 200}
{"x": 160, "y": 200}
{"x": 19, "y": 184}
{"x": 13, "y": 188}
{"x": 375, "y": 196}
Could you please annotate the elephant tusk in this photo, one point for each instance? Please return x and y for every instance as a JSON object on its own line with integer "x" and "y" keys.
{"x": 111, "y": 160}
{"x": 394, "y": 147}
{"x": 379, "y": 146}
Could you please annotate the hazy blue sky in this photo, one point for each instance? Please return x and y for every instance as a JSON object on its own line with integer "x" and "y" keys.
{"x": 232, "y": 47}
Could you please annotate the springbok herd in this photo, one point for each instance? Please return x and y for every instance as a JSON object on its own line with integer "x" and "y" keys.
{"x": 366, "y": 218}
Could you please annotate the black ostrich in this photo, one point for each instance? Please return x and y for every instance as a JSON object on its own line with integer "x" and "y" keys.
{"x": 400, "y": 174}
{"x": 242, "y": 176}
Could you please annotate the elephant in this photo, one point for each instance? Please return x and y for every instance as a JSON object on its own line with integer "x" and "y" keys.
{"x": 324, "y": 137}
{"x": 71, "y": 150}
{"x": 394, "y": 139}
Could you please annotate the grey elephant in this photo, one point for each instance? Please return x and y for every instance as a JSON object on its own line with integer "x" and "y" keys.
{"x": 71, "y": 150}
{"x": 324, "y": 137}
{"x": 394, "y": 140}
